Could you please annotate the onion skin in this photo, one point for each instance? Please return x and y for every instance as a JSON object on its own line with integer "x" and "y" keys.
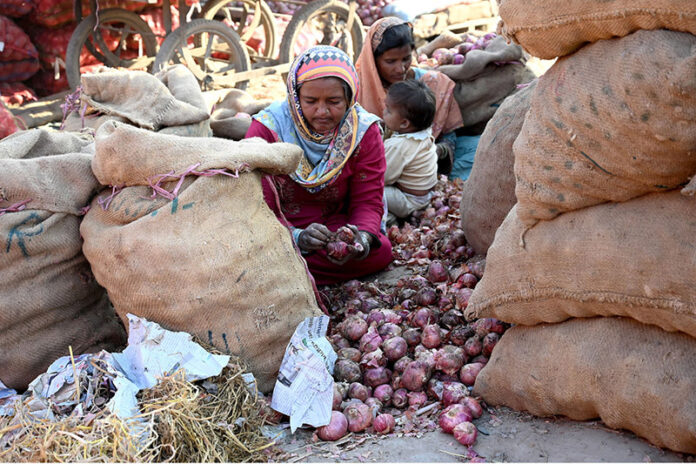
{"x": 401, "y": 364}
{"x": 412, "y": 336}
{"x": 452, "y": 416}
{"x": 489, "y": 342}
{"x": 349, "y": 353}
{"x": 435, "y": 388}
{"x": 465, "y": 433}
{"x": 389, "y": 330}
{"x": 384, "y": 394}
{"x": 416, "y": 376}
{"x": 449, "y": 359}
{"x": 370, "y": 341}
{"x": 384, "y": 424}
{"x": 416, "y": 400}
{"x": 473, "y": 347}
{"x": 377, "y": 376}
{"x": 375, "y": 406}
{"x": 453, "y": 393}
{"x": 373, "y": 359}
{"x": 359, "y": 416}
{"x": 337, "y": 398}
{"x": 358, "y": 391}
{"x": 460, "y": 334}
{"x": 336, "y": 428}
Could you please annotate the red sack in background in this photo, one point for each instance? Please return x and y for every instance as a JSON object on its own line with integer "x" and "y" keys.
{"x": 7, "y": 122}
{"x": 16, "y": 93}
{"x": 15, "y": 8}
{"x": 54, "y": 13}
{"x": 53, "y": 43}
{"x": 19, "y": 59}
{"x": 154, "y": 18}
{"x": 45, "y": 83}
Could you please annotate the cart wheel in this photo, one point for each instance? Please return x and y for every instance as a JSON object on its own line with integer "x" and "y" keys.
{"x": 210, "y": 49}
{"x": 121, "y": 39}
{"x": 245, "y": 17}
{"x": 326, "y": 21}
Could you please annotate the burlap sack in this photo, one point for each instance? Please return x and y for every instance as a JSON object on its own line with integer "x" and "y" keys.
{"x": 171, "y": 102}
{"x": 48, "y": 297}
{"x": 215, "y": 261}
{"x": 480, "y": 98}
{"x": 551, "y": 28}
{"x": 632, "y": 376}
{"x": 231, "y": 117}
{"x": 632, "y": 259}
{"x": 611, "y": 122}
{"x": 489, "y": 192}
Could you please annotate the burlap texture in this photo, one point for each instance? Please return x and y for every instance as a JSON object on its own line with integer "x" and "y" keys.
{"x": 480, "y": 98}
{"x": 611, "y": 122}
{"x": 214, "y": 262}
{"x": 147, "y": 101}
{"x": 632, "y": 259}
{"x": 632, "y": 376}
{"x": 48, "y": 297}
{"x": 225, "y": 120}
{"x": 489, "y": 192}
{"x": 551, "y": 28}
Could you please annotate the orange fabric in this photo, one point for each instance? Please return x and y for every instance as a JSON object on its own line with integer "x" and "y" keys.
{"x": 448, "y": 116}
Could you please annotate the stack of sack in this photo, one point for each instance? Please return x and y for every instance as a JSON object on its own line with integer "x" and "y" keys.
{"x": 595, "y": 263}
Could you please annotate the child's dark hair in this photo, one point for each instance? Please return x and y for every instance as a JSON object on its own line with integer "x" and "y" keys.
{"x": 395, "y": 37}
{"x": 415, "y": 100}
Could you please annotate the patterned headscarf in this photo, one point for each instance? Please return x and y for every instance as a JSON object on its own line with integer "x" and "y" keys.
{"x": 325, "y": 154}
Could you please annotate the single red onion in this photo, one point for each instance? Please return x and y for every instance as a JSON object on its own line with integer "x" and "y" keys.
{"x": 376, "y": 317}
{"x": 473, "y": 346}
{"x": 437, "y": 272}
{"x": 465, "y": 433}
{"x": 377, "y": 376}
{"x": 358, "y": 391}
{"x": 353, "y": 328}
{"x": 416, "y": 400}
{"x": 468, "y": 280}
{"x": 426, "y": 296}
{"x": 454, "y": 415}
{"x": 369, "y": 304}
{"x": 349, "y": 353}
{"x": 460, "y": 334}
{"x": 336, "y": 428}
{"x": 445, "y": 303}
{"x": 347, "y": 371}
{"x": 453, "y": 392}
{"x": 339, "y": 341}
{"x": 458, "y": 238}
{"x": 489, "y": 342}
{"x": 375, "y": 406}
{"x": 469, "y": 373}
{"x": 373, "y": 359}
{"x": 392, "y": 316}
{"x": 477, "y": 267}
{"x": 461, "y": 297}
{"x": 384, "y": 394}
{"x": 359, "y": 416}
{"x": 416, "y": 376}
{"x": 480, "y": 359}
{"x": 401, "y": 364}
{"x": 384, "y": 424}
{"x": 451, "y": 319}
{"x": 395, "y": 348}
{"x": 425, "y": 356}
{"x": 370, "y": 341}
{"x": 400, "y": 398}
{"x": 389, "y": 330}
{"x": 474, "y": 406}
{"x": 449, "y": 359}
{"x": 431, "y": 336}
{"x": 412, "y": 336}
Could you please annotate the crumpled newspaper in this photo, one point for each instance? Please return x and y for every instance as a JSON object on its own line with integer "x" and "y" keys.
{"x": 7, "y": 397}
{"x": 152, "y": 352}
{"x": 304, "y": 388}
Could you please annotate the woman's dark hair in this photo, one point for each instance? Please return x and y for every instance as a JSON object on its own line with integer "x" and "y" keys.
{"x": 395, "y": 37}
{"x": 416, "y": 102}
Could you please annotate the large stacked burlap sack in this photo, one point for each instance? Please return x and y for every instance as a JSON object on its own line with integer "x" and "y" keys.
{"x": 595, "y": 263}
{"x": 551, "y": 28}
{"x": 170, "y": 102}
{"x": 49, "y": 300}
{"x": 486, "y": 78}
{"x": 489, "y": 192}
{"x": 214, "y": 261}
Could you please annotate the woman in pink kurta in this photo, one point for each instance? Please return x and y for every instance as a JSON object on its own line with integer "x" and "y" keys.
{"x": 340, "y": 180}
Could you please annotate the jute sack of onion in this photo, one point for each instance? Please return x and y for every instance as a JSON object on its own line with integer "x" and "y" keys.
{"x": 184, "y": 238}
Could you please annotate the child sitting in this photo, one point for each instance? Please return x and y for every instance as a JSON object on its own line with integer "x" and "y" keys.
{"x": 410, "y": 151}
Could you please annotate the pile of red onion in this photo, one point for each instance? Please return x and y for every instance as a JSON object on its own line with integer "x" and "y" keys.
{"x": 456, "y": 54}
{"x": 402, "y": 347}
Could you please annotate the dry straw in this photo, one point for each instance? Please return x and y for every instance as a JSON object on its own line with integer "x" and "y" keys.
{"x": 218, "y": 420}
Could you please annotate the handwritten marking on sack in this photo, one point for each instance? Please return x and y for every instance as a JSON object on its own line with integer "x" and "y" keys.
{"x": 175, "y": 207}
{"x": 224, "y": 340}
{"x": 30, "y": 221}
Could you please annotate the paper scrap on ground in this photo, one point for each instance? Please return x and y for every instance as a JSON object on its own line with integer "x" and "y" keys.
{"x": 7, "y": 397}
{"x": 304, "y": 388}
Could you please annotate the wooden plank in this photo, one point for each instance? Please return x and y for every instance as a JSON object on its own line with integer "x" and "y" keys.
{"x": 231, "y": 79}
{"x": 40, "y": 112}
